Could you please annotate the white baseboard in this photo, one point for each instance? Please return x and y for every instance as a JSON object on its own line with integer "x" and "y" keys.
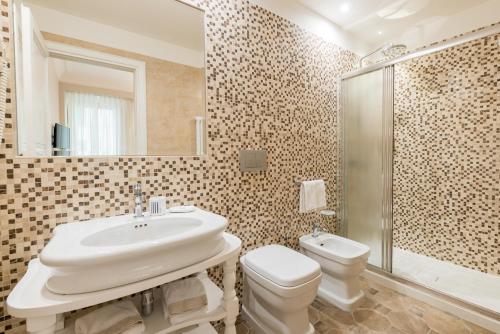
{"x": 435, "y": 300}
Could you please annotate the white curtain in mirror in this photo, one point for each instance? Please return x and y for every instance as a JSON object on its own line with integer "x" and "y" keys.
{"x": 100, "y": 125}
{"x": 200, "y": 135}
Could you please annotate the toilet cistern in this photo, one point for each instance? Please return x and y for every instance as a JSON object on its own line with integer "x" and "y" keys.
{"x": 138, "y": 200}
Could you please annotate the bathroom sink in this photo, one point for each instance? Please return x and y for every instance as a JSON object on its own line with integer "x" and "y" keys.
{"x": 139, "y": 232}
{"x": 105, "y": 253}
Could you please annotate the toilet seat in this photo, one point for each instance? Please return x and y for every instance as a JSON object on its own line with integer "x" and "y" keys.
{"x": 282, "y": 270}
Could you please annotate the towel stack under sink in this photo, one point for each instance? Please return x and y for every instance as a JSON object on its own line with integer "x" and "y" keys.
{"x": 184, "y": 299}
{"x": 118, "y": 318}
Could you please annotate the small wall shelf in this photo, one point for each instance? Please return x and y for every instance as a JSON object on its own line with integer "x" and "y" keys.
{"x": 44, "y": 310}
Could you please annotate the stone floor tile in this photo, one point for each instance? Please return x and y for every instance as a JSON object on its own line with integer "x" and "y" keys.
{"x": 336, "y": 331}
{"x": 359, "y": 329}
{"x": 394, "y": 330}
{"x": 368, "y": 303}
{"x": 382, "y": 309}
{"x": 371, "y": 319}
{"x": 416, "y": 309}
{"x": 391, "y": 300}
{"x": 475, "y": 329}
{"x": 242, "y": 328}
{"x": 363, "y": 283}
{"x": 320, "y": 304}
{"x": 338, "y": 316}
{"x": 314, "y": 315}
{"x": 444, "y": 323}
{"x": 324, "y": 325}
{"x": 408, "y": 322}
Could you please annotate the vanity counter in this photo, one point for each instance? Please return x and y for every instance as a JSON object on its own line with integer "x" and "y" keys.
{"x": 32, "y": 300}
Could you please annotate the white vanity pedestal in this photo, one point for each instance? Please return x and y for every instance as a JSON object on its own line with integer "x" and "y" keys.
{"x": 44, "y": 310}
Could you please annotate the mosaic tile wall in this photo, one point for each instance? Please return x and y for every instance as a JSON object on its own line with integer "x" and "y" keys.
{"x": 271, "y": 85}
{"x": 447, "y": 155}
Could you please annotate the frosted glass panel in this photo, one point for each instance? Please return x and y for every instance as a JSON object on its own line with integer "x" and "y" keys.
{"x": 363, "y": 120}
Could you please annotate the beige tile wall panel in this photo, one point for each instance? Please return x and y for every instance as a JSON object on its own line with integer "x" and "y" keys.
{"x": 447, "y": 155}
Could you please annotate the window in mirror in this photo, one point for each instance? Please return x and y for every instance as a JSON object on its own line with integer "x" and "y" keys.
{"x": 115, "y": 77}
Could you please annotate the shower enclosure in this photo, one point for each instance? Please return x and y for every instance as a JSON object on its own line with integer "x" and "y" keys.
{"x": 419, "y": 167}
{"x": 367, "y": 128}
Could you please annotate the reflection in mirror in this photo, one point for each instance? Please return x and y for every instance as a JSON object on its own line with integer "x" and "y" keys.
{"x": 115, "y": 77}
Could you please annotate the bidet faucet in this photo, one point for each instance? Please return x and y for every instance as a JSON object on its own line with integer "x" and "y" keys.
{"x": 138, "y": 200}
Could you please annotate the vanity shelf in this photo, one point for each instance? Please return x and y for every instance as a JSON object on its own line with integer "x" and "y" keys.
{"x": 157, "y": 324}
{"x": 44, "y": 310}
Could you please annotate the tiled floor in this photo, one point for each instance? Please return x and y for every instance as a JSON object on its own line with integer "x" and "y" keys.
{"x": 383, "y": 311}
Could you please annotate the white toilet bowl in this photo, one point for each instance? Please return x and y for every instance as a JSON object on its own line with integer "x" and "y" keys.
{"x": 279, "y": 285}
{"x": 342, "y": 261}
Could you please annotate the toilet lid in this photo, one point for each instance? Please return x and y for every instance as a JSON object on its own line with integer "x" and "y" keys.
{"x": 282, "y": 265}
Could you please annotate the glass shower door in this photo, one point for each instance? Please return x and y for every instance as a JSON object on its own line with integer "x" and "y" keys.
{"x": 365, "y": 121}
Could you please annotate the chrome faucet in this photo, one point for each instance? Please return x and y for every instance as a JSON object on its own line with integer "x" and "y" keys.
{"x": 138, "y": 200}
{"x": 316, "y": 230}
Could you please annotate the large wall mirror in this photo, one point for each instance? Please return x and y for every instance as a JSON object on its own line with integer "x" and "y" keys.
{"x": 114, "y": 77}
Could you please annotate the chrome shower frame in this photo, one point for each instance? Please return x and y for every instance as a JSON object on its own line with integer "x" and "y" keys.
{"x": 484, "y": 32}
{"x": 387, "y": 165}
{"x": 388, "y": 65}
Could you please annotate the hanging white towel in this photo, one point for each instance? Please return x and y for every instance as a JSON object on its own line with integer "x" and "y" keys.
{"x": 120, "y": 317}
{"x": 312, "y": 196}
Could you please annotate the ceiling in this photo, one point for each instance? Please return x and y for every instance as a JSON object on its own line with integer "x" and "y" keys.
{"x": 168, "y": 21}
{"x": 372, "y": 22}
{"x": 91, "y": 75}
{"x": 376, "y": 22}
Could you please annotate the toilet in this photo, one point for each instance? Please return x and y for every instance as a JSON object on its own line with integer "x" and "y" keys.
{"x": 279, "y": 285}
{"x": 342, "y": 261}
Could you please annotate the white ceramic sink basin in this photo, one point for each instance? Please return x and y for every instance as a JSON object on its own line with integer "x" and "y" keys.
{"x": 104, "y": 253}
{"x": 140, "y": 232}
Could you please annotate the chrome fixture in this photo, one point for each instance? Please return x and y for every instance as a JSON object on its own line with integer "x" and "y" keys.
{"x": 316, "y": 230}
{"x": 394, "y": 50}
{"x": 388, "y": 50}
{"x": 138, "y": 200}
{"x": 147, "y": 302}
{"x": 317, "y": 226}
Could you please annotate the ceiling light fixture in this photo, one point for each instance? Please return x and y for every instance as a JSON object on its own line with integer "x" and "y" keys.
{"x": 379, "y": 32}
{"x": 344, "y": 8}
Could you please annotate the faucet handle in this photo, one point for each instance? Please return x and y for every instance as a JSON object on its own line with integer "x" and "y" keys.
{"x": 137, "y": 189}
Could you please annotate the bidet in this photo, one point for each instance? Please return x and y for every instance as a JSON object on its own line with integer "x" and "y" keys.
{"x": 342, "y": 261}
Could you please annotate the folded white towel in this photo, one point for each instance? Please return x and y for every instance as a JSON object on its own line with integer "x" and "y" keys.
{"x": 187, "y": 294}
{"x": 312, "y": 196}
{"x": 117, "y": 318}
{"x": 137, "y": 329}
{"x": 184, "y": 299}
{"x": 175, "y": 319}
